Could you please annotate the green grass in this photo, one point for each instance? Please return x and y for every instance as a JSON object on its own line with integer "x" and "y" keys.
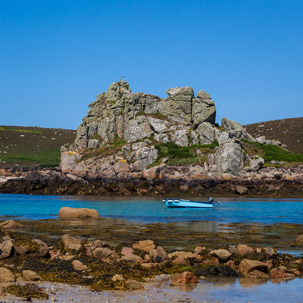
{"x": 184, "y": 155}
{"x": 106, "y": 150}
{"x": 273, "y": 153}
{"x": 32, "y": 146}
{"x": 45, "y": 158}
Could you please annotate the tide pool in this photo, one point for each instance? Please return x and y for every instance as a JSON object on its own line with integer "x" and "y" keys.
{"x": 152, "y": 210}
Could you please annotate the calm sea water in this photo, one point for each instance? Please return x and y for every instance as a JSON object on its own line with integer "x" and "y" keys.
{"x": 152, "y": 210}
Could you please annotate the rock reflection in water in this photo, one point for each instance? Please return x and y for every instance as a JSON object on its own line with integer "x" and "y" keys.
{"x": 249, "y": 282}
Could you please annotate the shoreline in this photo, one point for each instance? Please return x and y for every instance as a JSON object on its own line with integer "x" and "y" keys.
{"x": 188, "y": 249}
{"x": 267, "y": 183}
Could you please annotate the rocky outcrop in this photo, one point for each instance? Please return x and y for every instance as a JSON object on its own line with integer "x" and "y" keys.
{"x": 137, "y": 123}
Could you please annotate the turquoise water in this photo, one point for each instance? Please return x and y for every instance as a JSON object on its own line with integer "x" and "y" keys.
{"x": 151, "y": 210}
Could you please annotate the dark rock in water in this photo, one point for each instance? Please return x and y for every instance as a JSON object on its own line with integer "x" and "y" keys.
{"x": 221, "y": 271}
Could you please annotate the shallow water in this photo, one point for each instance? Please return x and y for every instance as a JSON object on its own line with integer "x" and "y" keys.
{"x": 243, "y": 290}
{"x": 151, "y": 210}
{"x": 223, "y": 291}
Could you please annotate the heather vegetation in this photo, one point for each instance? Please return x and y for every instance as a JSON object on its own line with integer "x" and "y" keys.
{"x": 32, "y": 146}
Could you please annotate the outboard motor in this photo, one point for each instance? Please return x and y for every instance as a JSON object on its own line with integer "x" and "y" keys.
{"x": 210, "y": 199}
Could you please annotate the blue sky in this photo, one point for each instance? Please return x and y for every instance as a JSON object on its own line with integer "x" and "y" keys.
{"x": 56, "y": 56}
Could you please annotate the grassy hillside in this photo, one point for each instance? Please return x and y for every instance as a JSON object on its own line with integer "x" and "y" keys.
{"x": 32, "y": 146}
{"x": 288, "y": 131}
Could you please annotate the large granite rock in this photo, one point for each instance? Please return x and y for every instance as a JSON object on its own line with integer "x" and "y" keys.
{"x": 178, "y": 106}
{"x": 6, "y": 248}
{"x": 236, "y": 130}
{"x": 119, "y": 120}
{"x": 228, "y": 158}
{"x": 204, "y": 109}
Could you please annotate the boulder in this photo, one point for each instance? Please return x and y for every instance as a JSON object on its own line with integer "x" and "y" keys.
{"x": 71, "y": 243}
{"x": 180, "y": 137}
{"x": 137, "y": 129}
{"x": 10, "y": 224}
{"x": 184, "y": 278}
{"x": 246, "y": 266}
{"x": 158, "y": 125}
{"x": 68, "y": 160}
{"x": 30, "y": 275}
{"x": 235, "y": 130}
{"x": 228, "y": 158}
{"x": 158, "y": 255}
{"x": 78, "y": 265}
{"x": 281, "y": 274}
{"x": 241, "y": 189}
{"x": 145, "y": 245}
{"x": 211, "y": 261}
{"x": 299, "y": 240}
{"x": 206, "y": 133}
{"x": 78, "y": 213}
{"x": 127, "y": 251}
{"x": 6, "y": 275}
{"x": 105, "y": 254}
{"x": 255, "y": 164}
{"x": 180, "y": 260}
{"x": 243, "y": 249}
{"x": 178, "y": 106}
{"x": 257, "y": 274}
{"x": 222, "y": 254}
{"x": 132, "y": 258}
{"x": 43, "y": 248}
{"x": 98, "y": 243}
{"x": 35, "y": 248}
{"x": 6, "y": 248}
{"x": 203, "y": 109}
{"x": 269, "y": 251}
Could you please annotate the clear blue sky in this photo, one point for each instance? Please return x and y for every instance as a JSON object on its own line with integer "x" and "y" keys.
{"x": 57, "y": 55}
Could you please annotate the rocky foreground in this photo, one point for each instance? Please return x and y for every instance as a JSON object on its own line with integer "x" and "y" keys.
{"x": 26, "y": 260}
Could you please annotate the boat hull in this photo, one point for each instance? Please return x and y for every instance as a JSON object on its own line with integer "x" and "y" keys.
{"x": 175, "y": 203}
